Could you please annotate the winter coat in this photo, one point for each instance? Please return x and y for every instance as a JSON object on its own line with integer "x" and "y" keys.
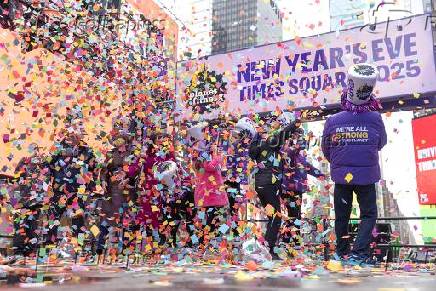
{"x": 296, "y": 170}
{"x": 236, "y": 161}
{"x": 116, "y": 194}
{"x": 209, "y": 185}
{"x": 151, "y": 199}
{"x": 351, "y": 142}
{"x": 268, "y": 156}
{"x": 72, "y": 167}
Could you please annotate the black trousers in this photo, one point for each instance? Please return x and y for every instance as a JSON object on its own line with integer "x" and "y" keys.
{"x": 121, "y": 229}
{"x": 343, "y": 200}
{"x": 270, "y": 195}
{"x": 56, "y": 211}
{"x": 117, "y": 204}
{"x": 174, "y": 212}
{"x": 234, "y": 207}
{"x": 213, "y": 216}
{"x": 25, "y": 237}
{"x": 293, "y": 207}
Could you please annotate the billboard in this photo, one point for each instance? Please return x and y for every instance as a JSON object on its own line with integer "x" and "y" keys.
{"x": 424, "y": 140}
{"x": 307, "y": 72}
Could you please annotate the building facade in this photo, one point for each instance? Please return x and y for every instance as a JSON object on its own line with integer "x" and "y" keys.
{"x": 164, "y": 21}
{"x": 269, "y": 22}
{"x": 379, "y": 12}
{"x": 240, "y": 24}
{"x": 304, "y": 18}
{"x": 346, "y": 14}
{"x": 388, "y": 207}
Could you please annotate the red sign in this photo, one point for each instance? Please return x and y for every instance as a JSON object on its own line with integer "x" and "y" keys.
{"x": 424, "y": 139}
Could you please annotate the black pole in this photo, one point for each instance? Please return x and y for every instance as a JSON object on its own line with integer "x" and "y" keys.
{"x": 390, "y": 246}
{"x": 326, "y": 242}
{"x": 38, "y": 246}
{"x": 127, "y": 261}
{"x": 386, "y": 261}
{"x": 37, "y": 257}
{"x": 104, "y": 255}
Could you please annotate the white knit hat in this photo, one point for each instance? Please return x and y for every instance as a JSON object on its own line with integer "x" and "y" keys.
{"x": 246, "y": 124}
{"x": 196, "y": 131}
{"x": 361, "y": 82}
{"x": 165, "y": 172}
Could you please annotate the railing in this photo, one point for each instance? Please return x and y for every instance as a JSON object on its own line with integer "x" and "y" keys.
{"x": 351, "y": 219}
{"x": 326, "y": 221}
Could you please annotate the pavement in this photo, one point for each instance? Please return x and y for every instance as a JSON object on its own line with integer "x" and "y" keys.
{"x": 208, "y": 277}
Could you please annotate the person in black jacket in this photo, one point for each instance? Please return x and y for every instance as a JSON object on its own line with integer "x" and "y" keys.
{"x": 32, "y": 180}
{"x": 265, "y": 149}
{"x": 120, "y": 178}
{"x": 73, "y": 173}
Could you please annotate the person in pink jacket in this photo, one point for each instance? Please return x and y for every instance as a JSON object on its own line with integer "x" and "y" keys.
{"x": 209, "y": 191}
{"x": 210, "y": 194}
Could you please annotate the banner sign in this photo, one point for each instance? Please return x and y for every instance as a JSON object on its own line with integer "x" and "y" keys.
{"x": 424, "y": 141}
{"x": 308, "y": 72}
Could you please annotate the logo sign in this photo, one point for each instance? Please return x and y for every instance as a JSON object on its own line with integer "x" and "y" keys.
{"x": 308, "y": 72}
{"x": 206, "y": 91}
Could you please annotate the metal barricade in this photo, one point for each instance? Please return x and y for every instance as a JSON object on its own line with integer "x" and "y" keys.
{"x": 389, "y": 246}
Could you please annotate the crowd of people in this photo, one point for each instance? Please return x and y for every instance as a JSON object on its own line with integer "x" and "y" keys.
{"x": 187, "y": 188}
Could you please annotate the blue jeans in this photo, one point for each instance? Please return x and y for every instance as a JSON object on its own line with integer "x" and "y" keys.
{"x": 366, "y": 197}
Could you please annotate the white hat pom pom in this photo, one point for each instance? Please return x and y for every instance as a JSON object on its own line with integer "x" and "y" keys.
{"x": 245, "y": 124}
{"x": 286, "y": 118}
{"x": 165, "y": 172}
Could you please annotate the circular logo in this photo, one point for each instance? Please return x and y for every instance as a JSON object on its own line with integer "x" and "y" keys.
{"x": 364, "y": 92}
{"x": 364, "y": 70}
{"x": 206, "y": 91}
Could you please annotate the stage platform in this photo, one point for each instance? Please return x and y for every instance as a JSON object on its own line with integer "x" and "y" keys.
{"x": 208, "y": 277}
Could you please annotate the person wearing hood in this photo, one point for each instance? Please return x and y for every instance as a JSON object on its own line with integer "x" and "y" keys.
{"x": 174, "y": 195}
{"x": 178, "y": 198}
{"x": 120, "y": 178}
{"x": 265, "y": 150}
{"x": 210, "y": 196}
{"x": 295, "y": 183}
{"x": 73, "y": 171}
{"x": 351, "y": 142}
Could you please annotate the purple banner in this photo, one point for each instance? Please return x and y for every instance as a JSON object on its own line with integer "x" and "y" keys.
{"x": 309, "y": 71}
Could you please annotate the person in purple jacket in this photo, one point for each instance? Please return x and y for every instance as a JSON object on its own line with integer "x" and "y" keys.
{"x": 351, "y": 142}
{"x": 294, "y": 183}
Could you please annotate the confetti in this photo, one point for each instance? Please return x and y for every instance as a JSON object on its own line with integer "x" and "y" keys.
{"x": 334, "y": 266}
{"x": 95, "y": 160}
{"x": 348, "y": 177}
{"x": 95, "y": 230}
{"x": 251, "y": 266}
